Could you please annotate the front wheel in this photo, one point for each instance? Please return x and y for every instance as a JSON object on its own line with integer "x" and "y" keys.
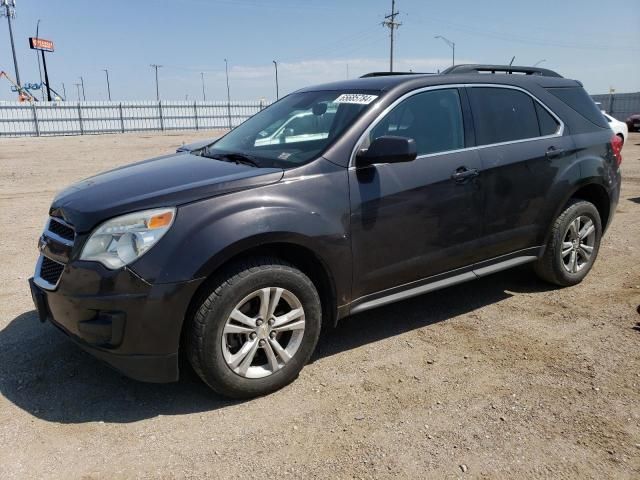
{"x": 255, "y": 328}
{"x": 573, "y": 245}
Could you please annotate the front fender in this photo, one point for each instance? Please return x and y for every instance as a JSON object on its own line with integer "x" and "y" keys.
{"x": 309, "y": 208}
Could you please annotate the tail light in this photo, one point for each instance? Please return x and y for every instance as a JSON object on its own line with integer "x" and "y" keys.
{"x": 616, "y": 146}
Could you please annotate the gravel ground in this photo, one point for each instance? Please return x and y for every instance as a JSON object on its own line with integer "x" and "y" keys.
{"x": 498, "y": 378}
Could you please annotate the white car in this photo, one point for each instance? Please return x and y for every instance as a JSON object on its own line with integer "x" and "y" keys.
{"x": 618, "y": 127}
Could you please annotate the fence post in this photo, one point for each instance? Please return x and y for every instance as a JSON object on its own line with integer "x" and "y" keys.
{"x": 35, "y": 118}
{"x": 195, "y": 113}
{"x": 121, "y": 117}
{"x": 161, "y": 119}
{"x": 80, "y": 119}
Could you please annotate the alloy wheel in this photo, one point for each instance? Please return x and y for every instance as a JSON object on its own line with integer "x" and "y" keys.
{"x": 577, "y": 245}
{"x": 263, "y": 332}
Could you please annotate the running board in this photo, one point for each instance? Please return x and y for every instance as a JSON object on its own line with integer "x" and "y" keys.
{"x": 443, "y": 283}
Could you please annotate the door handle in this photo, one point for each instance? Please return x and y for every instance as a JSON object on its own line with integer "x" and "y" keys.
{"x": 462, "y": 174}
{"x": 553, "y": 152}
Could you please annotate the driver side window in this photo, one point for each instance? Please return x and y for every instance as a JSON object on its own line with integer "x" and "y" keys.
{"x": 433, "y": 119}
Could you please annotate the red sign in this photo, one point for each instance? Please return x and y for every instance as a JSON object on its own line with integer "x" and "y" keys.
{"x": 40, "y": 44}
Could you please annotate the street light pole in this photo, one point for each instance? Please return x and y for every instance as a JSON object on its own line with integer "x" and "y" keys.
{"x": 226, "y": 70}
{"x": 204, "y": 95}
{"x": 153, "y": 65}
{"x": 10, "y": 12}
{"x": 108, "y": 86}
{"x": 275, "y": 64}
{"x": 452, "y": 45}
{"x": 84, "y": 97}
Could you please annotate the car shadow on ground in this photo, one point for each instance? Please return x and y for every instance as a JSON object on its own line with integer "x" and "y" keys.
{"x": 636, "y": 199}
{"x": 47, "y": 375}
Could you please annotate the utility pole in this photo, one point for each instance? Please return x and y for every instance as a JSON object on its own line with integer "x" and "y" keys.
{"x": 84, "y": 97}
{"x": 153, "y": 65}
{"x": 10, "y": 12}
{"x": 226, "y": 70}
{"x": 78, "y": 88}
{"x": 108, "y": 86}
{"x": 390, "y": 21}
{"x": 451, "y": 44}
{"x": 64, "y": 92}
{"x": 275, "y": 64}
{"x": 204, "y": 95}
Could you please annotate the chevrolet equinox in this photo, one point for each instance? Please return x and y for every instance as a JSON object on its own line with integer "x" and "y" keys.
{"x": 334, "y": 200}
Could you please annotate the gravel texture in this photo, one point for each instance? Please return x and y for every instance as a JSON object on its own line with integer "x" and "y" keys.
{"x": 500, "y": 378}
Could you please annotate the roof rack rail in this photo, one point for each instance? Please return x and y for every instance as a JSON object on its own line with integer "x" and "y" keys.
{"x": 387, "y": 74}
{"x": 508, "y": 69}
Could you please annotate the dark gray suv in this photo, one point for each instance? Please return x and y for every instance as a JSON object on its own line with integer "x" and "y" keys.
{"x": 238, "y": 251}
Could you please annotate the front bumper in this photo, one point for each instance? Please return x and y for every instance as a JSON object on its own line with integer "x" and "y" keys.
{"x": 119, "y": 318}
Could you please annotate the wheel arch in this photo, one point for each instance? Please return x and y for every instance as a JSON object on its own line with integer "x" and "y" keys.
{"x": 298, "y": 252}
{"x": 593, "y": 192}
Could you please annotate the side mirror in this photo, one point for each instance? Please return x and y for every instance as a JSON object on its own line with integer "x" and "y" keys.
{"x": 388, "y": 149}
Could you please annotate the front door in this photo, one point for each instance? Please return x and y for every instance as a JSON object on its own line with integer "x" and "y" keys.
{"x": 416, "y": 219}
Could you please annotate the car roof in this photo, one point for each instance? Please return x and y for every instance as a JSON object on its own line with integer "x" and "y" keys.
{"x": 410, "y": 82}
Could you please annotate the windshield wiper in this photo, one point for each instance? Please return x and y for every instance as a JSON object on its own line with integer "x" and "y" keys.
{"x": 237, "y": 158}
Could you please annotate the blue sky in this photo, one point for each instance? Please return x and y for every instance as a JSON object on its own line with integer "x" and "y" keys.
{"x": 314, "y": 41}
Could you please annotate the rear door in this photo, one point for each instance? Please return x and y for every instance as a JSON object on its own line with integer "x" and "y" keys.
{"x": 413, "y": 220}
{"x": 520, "y": 145}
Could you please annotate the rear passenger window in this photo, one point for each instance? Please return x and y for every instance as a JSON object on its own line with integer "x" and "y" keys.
{"x": 503, "y": 115}
{"x": 433, "y": 119}
{"x": 581, "y": 102}
{"x": 548, "y": 124}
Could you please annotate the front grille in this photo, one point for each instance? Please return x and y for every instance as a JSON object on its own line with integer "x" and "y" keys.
{"x": 61, "y": 229}
{"x": 50, "y": 271}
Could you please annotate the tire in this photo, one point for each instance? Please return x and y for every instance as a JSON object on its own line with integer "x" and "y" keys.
{"x": 621, "y": 138}
{"x": 233, "y": 349}
{"x": 555, "y": 268}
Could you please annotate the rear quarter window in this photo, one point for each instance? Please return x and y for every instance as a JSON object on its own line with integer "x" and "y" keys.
{"x": 580, "y": 101}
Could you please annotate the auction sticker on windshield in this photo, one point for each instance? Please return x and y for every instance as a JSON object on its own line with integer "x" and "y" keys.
{"x": 357, "y": 98}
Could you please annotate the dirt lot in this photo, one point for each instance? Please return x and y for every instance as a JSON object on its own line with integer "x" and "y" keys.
{"x": 504, "y": 377}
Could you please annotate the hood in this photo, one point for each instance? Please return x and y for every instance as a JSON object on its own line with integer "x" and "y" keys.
{"x": 165, "y": 181}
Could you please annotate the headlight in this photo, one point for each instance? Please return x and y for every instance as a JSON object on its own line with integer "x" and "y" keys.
{"x": 121, "y": 240}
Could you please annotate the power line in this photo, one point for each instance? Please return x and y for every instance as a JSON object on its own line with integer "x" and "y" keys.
{"x": 510, "y": 37}
{"x": 390, "y": 21}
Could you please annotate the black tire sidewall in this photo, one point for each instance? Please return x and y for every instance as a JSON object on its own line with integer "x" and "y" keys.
{"x": 582, "y": 208}
{"x": 215, "y": 370}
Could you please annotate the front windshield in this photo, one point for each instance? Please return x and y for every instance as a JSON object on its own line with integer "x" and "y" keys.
{"x": 295, "y": 129}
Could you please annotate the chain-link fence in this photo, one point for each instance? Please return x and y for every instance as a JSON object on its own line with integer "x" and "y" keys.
{"x": 83, "y": 118}
{"x": 619, "y": 105}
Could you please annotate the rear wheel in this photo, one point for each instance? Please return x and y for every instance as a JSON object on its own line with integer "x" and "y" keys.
{"x": 573, "y": 245}
{"x": 256, "y": 328}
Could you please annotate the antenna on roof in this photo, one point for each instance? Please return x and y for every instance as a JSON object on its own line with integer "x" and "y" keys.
{"x": 512, "y": 59}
